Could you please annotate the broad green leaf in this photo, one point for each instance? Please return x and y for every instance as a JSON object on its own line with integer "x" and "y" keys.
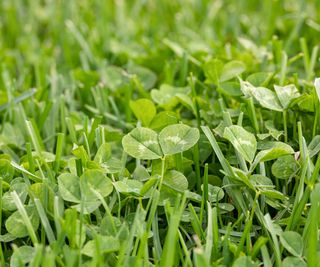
{"x": 86, "y": 78}
{"x": 243, "y": 141}
{"x": 175, "y": 180}
{"x": 273, "y": 194}
{"x": 11, "y": 134}
{"x": 230, "y": 89}
{"x": 314, "y": 146}
{"x": 284, "y": 167}
{"x": 226, "y": 207}
{"x": 23, "y": 170}
{"x": 231, "y": 70}
{"x": 7, "y": 200}
{"x": 279, "y": 149}
{"x": 88, "y": 206}
{"x": 73, "y": 230}
{"x": 103, "y": 153}
{"x": 6, "y": 170}
{"x": 317, "y": 86}
{"x": 193, "y": 196}
{"x": 7, "y": 238}
{"x": 163, "y": 119}
{"x": 293, "y": 262}
{"x": 144, "y": 110}
{"x": 261, "y": 182}
{"x": 114, "y": 77}
{"x": 246, "y": 88}
{"x": 293, "y": 242}
{"x": 177, "y": 138}
{"x": 272, "y": 130}
{"x": 22, "y": 255}
{"x": 112, "y": 165}
{"x": 215, "y": 193}
{"x": 82, "y": 154}
{"x": 142, "y": 143}
{"x": 219, "y": 130}
{"x": 140, "y": 173}
{"x": 286, "y": 94}
{"x": 266, "y": 98}
{"x": 244, "y": 261}
{"x": 186, "y": 101}
{"x": 94, "y": 179}
{"x": 243, "y": 177}
{"x": 263, "y": 136}
{"x": 259, "y": 78}
{"x": 306, "y": 102}
{"x": 45, "y": 156}
{"x": 69, "y": 187}
{"x": 16, "y": 225}
{"x": 113, "y": 226}
{"x": 147, "y": 77}
{"x": 167, "y": 194}
{"x": 106, "y": 244}
{"x": 145, "y": 190}
{"x": 212, "y": 70}
{"x": 166, "y": 95}
{"x": 128, "y": 186}
{"x": 38, "y": 191}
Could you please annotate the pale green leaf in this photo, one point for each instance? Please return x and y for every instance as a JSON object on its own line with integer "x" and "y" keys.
{"x": 317, "y": 86}
{"x": 142, "y": 143}
{"x": 279, "y": 149}
{"x": 69, "y": 187}
{"x": 103, "y": 153}
{"x": 22, "y": 255}
{"x": 244, "y": 261}
{"x": 243, "y": 141}
{"x": 286, "y": 94}
{"x": 163, "y": 119}
{"x": 128, "y": 186}
{"x": 106, "y": 244}
{"x": 293, "y": 242}
{"x": 266, "y": 98}
{"x": 96, "y": 180}
{"x": 284, "y": 167}
{"x": 144, "y": 110}
{"x": 212, "y": 70}
{"x": 231, "y": 70}
{"x": 293, "y": 262}
{"x": 177, "y": 138}
{"x": 166, "y": 95}
{"x": 16, "y": 225}
{"x": 175, "y": 180}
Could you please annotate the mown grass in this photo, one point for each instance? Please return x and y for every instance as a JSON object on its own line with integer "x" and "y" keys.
{"x": 159, "y": 133}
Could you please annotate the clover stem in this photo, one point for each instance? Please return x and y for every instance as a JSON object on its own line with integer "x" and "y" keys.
{"x": 285, "y": 126}
{"x": 163, "y": 166}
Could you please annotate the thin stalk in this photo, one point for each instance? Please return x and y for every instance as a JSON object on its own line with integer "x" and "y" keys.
{"x": 284, "y": 63}
{"x": 285, "y": 129}
{"x": 2, "y": 260}
{"x": 247, "y": 226}
{"x": 196, "y": 161}
{"x": 163, "y": 168}
{"x": 25, "y": 217}
{"x": 252, "y": 114}
{"x": 59, "y": 149}
{"x": 205, "y": 194}
{"x": 30, "y": 158}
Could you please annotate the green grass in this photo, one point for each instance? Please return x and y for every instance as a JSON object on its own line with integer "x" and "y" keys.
{"x": 159, "y": 133}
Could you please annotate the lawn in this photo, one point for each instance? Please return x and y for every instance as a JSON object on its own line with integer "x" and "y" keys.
{"x": 159, "y": 133}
